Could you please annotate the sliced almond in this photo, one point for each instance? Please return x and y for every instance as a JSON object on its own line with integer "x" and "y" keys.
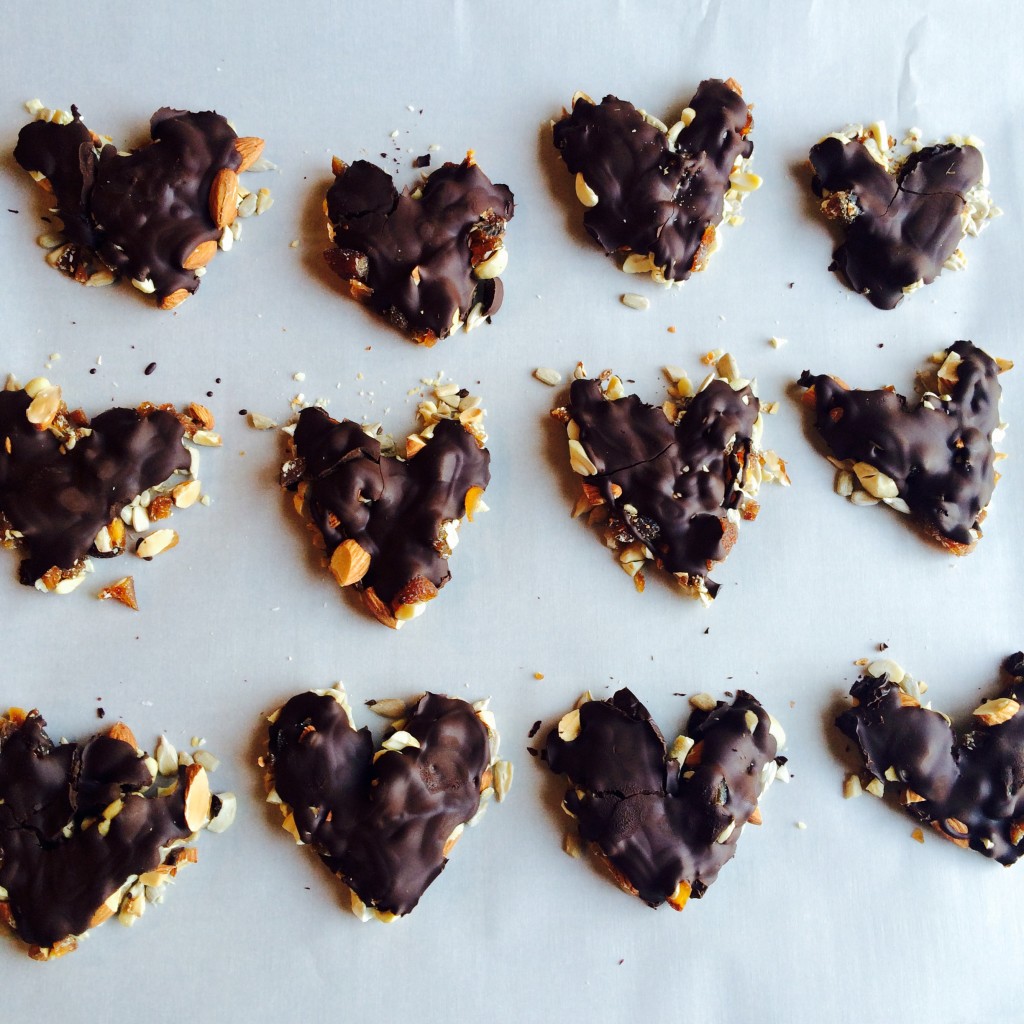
{"x": 349, "y": 563}
{"x": 175, "y": 299}
{"x": 197, "y": 796}
{"x": 224, "y": 197}
{"x": 994, "y": 712}
{"x": 249, "y": 148}
{"x": 186, "y": 494}
{"x": 156, "y": 543}
{"x": 200, "y": 255}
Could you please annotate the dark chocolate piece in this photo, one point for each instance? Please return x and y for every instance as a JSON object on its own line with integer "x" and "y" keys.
{"x": 968, "y": 785}
{"x": 427, "y": 260}
{"x": 154, "y": 215}
{"x": 388, "y": 525}
{"x": 658, "y": 193}
{"x": 384, "y": 823}
{"x": 934, "y": 461}
{"x": 81, "y": 829}
{"x": 903, "y": 218}
{"x": 669, "y": 483}
{"x": 665, "y": 822}
{"x": 63, "y": 479}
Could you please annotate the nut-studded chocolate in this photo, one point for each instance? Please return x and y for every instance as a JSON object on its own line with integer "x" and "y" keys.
{"x": 934, "y": 461}
{"x": 84, "y": 831}
{"x": 653, "y": 194}
{"x": 967, "y": 784}
{"x": 155, "y": 215}
{"x": 388, "y": 525}
{"x": 383, "y": 822}
{"x": 665, "y": 821}
{"x": 70, "y": 488}
{"x": 669, "y": 483}
{"x": 904, "y": 217}
{"x": 428, "y": 260}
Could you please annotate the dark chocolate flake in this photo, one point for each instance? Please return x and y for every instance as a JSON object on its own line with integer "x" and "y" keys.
{"x": 664, "y": 826}
{"x": 937, "y": 458}
{"x": 968, "y": 785}
{"x": 653, "y": 192}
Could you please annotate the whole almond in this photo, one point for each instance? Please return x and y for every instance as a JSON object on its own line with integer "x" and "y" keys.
{"x": 349, "y": 563}
{"x": 175, "y": 299}
{"x": 224, "y": 197}
{"x": 120, "y": 731}
{"x": 200, "y": 255}
{"x": 249, "y": 149}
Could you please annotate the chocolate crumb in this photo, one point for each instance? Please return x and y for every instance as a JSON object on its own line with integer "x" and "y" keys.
{"x": 533, "y": 730}
{"x": 149, "y": 369}
{"x": 100, "y": 713}
{"x": 422, "y": 161}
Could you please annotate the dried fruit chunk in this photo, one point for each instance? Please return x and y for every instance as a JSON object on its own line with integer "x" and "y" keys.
{"x": 934, "y": 461}
{"x": 122, "y": 590}
{"x": 966, "y": 784}
{"x": 428, "y": 261}
{"x": 87, "y": 830}
{"x": 664, "y": 828}
{"x": 155, "y": 215}
{"x": 655, "y": 195}
{"x": 903, "y": 216}
{"x": 384, "y": 822}
{"x": 389, "y": 526}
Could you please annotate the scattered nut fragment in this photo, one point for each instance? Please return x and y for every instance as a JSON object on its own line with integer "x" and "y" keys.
{"x": 635, "y": 301}
{"x": 548, "y": 376}
{"x": 156, "y": 543}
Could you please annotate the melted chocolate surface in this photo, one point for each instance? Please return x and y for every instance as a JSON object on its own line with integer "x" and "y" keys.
{"x": 56, "y": 865}
{"x": 653, "y": 198}
{"x": 381, "y": 826}
{"x": 655, "y": 821}
{"x": 142, "y": 213}
{"x": 941, "y": 458}
{"x": 59, "y": 499}
{"x": 417, "y": 256}
{"x": 900, "y": 227}
{"x": 682, "y": 479}
{"x": 394, "y": 510}
{"x": 968, "y": 785}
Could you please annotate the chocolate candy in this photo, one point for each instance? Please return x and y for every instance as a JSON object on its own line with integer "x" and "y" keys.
{"x": 968, "y": 785}
{"x": 903, "y": 217}
{"x": 428, "y": 261}
{"x": 654, "y": 194}
{"x": 389, "y": 525}
{"x": 934, "y": 461}
{"x": 85, "y": 833}
{"x": 669, "y": 483}
{"x": 383, "y": 822}
{"x": 664, "y": 821}
{"x": 155, "y": 215}
{"x": 65, "y": 482}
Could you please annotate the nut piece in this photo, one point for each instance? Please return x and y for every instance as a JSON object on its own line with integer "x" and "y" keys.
{"x": 223, "y": 197}
{"x": 349, "y": 563}
{"x": 175, "y": 299}
{"x": 197, "y": 796}
{"x": 156, "y": 543}
{"x": 994, "y": 712}
{"x": 876, "y": 483}
{"x": 249, "y": 148}
{"x": 200, "y": 255}
{"x": 44, "y": 407}
{"x": 186, "y": 494}
{"x": 120, "y": 731}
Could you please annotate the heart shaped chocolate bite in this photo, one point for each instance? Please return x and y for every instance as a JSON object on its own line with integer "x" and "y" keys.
{"x": 665, "y": 821}
{"x": 71, "y": 488}
{"x": 384, "y": 822}
{"x": 428, "y": 260}
{"x": 904, "y": 215}
{"x": 967, "y": 784}
{"x": 388, "y": 524}
{"x": 934, "y": 461}
{"x": 93, "y": 829}
{"x": 156, "y": 215}
{"x": 653, "y": 194}
{"x": 669, "y": 483}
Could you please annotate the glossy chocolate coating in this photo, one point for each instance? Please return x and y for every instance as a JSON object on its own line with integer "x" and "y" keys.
{"x": 382, "y": 825}
{"x": 906, "y": 224}
{"x": 653, "y": 199}
{"x": 656, "y": 826}
{"x": 57, "y": 882}
{"x": 432, "y": 235}
{"x": 681, "y": 509}
{"x": 974, "y": 779}
{"x": 59, "y": 500}
{"x": 942, "y": 458}
{"x": 141, "y": 213}
{"x": 393, "y": 509}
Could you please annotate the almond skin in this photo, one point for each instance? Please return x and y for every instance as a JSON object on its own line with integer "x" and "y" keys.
{"x": 224, "y": 197}
{"x": 249, "y": 148}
